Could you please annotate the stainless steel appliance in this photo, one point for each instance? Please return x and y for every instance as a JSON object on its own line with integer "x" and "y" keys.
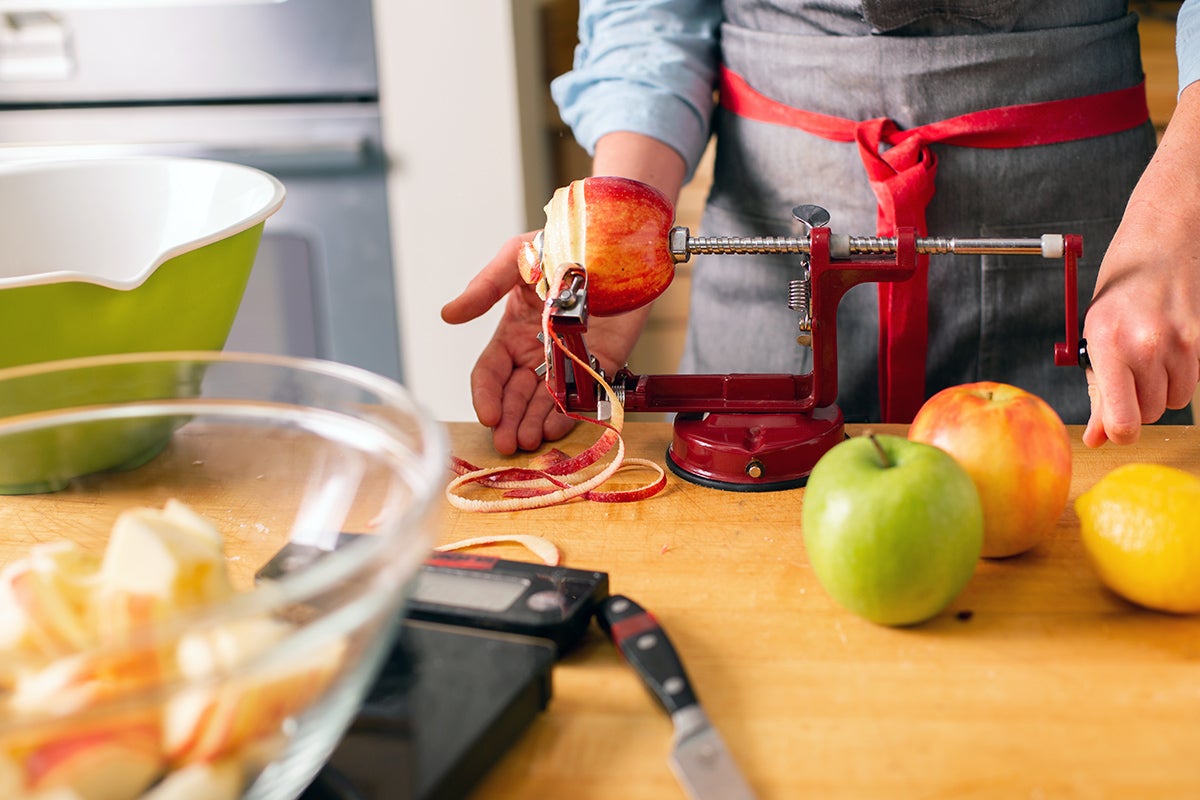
{"x": 290, "y": 87}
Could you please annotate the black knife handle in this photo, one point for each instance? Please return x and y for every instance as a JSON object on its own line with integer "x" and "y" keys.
{"x": 645, "y": 645}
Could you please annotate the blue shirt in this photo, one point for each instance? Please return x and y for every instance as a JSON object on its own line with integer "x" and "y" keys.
{"x": 649, "y": 66}
{"x": 1187, "y": 42}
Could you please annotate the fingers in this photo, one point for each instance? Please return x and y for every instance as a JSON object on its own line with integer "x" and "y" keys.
{"x": 489, "y": 378}
{"x": 1124, "y": 397}
{"x": 1094, "y": 434}
{"x": 528, "y": 415}
{"x": 540, "y": 417}
{"x": 1116, "y": 414}
{"x": 489, "y": 286}
{"x": 557, "y": 426}
{"x": 1185, "y": 374}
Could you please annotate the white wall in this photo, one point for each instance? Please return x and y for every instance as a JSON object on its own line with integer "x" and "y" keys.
{"x": 460, "y": 165}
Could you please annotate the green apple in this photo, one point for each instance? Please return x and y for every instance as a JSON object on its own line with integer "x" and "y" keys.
{"x": 893, "y": 528}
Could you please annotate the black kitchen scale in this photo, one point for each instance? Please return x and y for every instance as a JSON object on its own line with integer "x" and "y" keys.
{"x": 449, "y": 703}
{"x": 470, "y": 671}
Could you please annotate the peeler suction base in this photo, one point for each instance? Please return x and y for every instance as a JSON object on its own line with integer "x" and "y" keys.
{"x": 752, "y": 452}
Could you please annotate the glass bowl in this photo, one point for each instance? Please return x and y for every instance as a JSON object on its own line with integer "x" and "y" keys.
{"x": 142, "y": 655}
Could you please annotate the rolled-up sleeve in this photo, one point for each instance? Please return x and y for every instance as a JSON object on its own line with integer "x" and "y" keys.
{"x": 1187, "y": 42}
{"x": 648, "y": 67}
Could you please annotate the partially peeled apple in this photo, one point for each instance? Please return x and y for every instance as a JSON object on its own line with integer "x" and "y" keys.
{"x": 618, "y": 230}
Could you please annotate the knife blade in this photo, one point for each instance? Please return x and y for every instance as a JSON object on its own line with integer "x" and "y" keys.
{"x": 699, "y": 758}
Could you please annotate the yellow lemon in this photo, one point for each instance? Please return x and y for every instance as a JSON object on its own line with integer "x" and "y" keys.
{"x": 1141, "y": 527}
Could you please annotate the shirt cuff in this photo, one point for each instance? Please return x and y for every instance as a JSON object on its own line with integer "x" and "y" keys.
{"x": 1187, "y": 43}
{"x": 607, "y": 107}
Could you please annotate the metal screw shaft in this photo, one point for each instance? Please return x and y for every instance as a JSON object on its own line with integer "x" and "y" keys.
{"x": 684, "y": 245}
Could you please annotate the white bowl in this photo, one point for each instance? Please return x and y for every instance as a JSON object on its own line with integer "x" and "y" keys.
{"x": 114, "y": 221}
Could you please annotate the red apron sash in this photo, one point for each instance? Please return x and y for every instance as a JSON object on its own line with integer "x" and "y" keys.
{"x": 902, "y": 178}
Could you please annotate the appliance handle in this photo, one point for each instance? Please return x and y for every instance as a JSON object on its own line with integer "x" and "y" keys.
{"x": 339, "y": 155}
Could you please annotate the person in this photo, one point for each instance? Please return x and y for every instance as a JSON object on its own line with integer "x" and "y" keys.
{"x": 1009, "y": 117}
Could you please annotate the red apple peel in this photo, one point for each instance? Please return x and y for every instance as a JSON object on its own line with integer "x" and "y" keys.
{"x": 542, "y": 548}
{"x": 548, "y": 481}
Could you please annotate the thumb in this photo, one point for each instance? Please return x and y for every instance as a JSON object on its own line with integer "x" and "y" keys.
{"x": 489, "y": 286}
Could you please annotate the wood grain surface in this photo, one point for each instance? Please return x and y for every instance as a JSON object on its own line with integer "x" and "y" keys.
{"x": 1036, "y": 683}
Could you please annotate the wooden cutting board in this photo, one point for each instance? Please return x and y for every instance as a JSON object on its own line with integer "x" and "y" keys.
{"x": 1037, "y": 682}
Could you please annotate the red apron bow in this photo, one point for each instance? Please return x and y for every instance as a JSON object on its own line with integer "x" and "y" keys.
{"x": 900, "y": 167}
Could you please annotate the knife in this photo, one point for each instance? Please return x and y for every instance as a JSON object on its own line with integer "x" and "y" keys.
{"x": 699, "y": 757}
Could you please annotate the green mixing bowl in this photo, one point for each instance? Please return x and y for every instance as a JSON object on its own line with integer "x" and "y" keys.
{"x": 125, "y": 254}
{"x": 108, "y": 256}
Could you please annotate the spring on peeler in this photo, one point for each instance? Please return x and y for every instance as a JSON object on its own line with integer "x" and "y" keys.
{"x": 798, "y": 295}
{"x": 798, "y": 301}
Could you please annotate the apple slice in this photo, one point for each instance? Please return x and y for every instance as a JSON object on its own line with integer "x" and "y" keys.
{"x": 37, "y": 614}
{"x": 182, "y": 515}
{"x": 80, "y": 681}
{"x": 218, "y": 780}
{"x": 116, "y": 616}
{"x": 151, "y": 552}
{"x": 222, "y": 648}
{"x": 43, "y": 599}
{"x": 618, "y": 230}
{"x": 64, "y": 686}
{"x": 12, "y": 777}
{"x": 113, "y": 764}
{"x": 205, "y": 723}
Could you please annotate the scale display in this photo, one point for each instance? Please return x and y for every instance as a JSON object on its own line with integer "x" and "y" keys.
{"x": 470, "y": 592}
{"x": 518, "y": 597}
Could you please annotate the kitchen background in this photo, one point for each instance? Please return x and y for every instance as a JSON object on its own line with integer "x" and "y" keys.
{"x": 413, "y": 138}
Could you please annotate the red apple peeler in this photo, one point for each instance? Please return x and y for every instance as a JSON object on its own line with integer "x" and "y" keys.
{"x": 765, "y": 432}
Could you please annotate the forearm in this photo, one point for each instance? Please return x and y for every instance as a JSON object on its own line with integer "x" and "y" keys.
{"x": 1166, "y": 200}
{"x": 1141, "y": 325}
{"x": 633, "y": 155}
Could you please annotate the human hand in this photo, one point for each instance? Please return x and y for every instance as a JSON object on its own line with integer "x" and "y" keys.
{"x": 1143, "y": 324}
{"x": 507, "y": 394}
{"x": 1143, "y": 333}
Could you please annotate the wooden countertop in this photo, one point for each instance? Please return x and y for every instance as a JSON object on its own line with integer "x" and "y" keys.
{"x": 1051, "y": 687}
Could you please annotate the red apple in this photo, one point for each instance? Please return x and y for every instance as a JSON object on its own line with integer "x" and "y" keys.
{"x": 1016, "y": 450}
{"x": 617, "y": 229}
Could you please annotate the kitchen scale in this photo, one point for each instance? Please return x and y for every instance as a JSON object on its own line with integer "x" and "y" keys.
{"x": 470, "y": 671}
{"x": 763, "y": 432}
{"x": 450, "y": 701}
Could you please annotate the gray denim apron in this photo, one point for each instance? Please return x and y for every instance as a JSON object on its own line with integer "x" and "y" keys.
{"x": 990, "y": 317}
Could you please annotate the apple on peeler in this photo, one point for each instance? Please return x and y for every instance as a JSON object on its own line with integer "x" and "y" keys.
{"x": 618, "y": 230}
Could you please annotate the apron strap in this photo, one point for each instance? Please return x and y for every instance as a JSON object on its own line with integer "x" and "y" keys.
{"x": 901, "y": 167}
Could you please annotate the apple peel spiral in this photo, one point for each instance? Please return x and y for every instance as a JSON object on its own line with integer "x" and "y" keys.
{"x": 550, "y": 479}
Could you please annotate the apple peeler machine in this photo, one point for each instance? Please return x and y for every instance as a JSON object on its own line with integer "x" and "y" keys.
{"x": 765, "y": 432}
